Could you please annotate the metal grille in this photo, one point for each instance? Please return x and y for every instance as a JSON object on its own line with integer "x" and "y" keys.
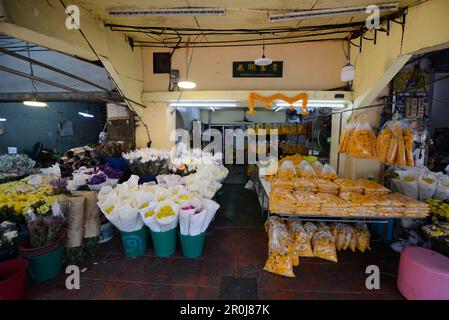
{"x": 122, "y": 130}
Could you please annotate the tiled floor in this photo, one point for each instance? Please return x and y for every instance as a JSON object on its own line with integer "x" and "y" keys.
{"x": 237, "y": 247}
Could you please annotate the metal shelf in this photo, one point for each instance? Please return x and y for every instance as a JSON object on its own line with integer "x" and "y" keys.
{"x": 318, "y": 218}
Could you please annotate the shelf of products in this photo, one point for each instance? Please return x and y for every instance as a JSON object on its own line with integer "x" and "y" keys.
{"x": 315, "y": 192}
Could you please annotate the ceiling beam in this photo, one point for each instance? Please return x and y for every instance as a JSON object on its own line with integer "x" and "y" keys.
{"x": 57, "y": 70}
{"x": 60, "y": 96}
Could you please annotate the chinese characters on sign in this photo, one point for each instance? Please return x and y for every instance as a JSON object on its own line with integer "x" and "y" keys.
{"x": 248, "y": 69}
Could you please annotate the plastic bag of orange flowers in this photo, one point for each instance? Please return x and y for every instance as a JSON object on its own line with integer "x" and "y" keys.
{"x": 394, "y": 144}
{"x": 362, "y": 142}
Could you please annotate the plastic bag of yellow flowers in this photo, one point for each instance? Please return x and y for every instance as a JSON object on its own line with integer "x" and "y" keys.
{"x": 280, "y": 250}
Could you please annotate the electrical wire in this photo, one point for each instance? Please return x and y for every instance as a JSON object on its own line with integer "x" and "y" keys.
{"x": 248, "y": 45}
{"x": 118, "y": 88}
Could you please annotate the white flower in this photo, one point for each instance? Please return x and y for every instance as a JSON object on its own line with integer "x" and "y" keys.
{"x": 10, "y": 236}
{"x": 6, "y": 225}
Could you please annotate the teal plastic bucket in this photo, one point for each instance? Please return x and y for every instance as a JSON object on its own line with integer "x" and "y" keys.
{"x": 135, "y": 243}
{"x": 164, "y": 243}
{"x": 45, "y": 263}
{"x": 192, "y": 246}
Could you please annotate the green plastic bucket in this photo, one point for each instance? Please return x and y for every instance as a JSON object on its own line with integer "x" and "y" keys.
{"x": 192, "y": 246}
{"x": 135, "y": 243}
{"x": 164, "y": 243}
{"x": 45, "y": 263}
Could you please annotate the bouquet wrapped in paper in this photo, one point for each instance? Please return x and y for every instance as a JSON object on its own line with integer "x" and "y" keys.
{"x": 195, "y": 216}
{"x": 119, "y": 205}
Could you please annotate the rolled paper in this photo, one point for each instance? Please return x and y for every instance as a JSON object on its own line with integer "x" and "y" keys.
{"x": 92, "y": 222}
{"x": 75, "y": 220}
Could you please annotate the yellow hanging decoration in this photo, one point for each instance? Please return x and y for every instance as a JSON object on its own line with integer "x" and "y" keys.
{"x": 278, "y": 96}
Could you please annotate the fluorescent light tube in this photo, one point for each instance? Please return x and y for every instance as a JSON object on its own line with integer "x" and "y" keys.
{"x": 204, "y": 104}
{"x": 313, "y": 104}
{"x": 320, "y": 13}
{"x": 165, "y": 12}
{"x": 86, "y": 115}
{"x": 2, "y": 119}
{"x": 278, "y": 109}
{"x": 34, "y": 103}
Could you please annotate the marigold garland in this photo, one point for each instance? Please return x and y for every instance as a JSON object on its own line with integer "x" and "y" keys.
{"x": 278, "y": 96}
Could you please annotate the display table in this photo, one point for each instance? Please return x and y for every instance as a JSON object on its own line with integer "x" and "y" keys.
{"x": 385, "y": 223}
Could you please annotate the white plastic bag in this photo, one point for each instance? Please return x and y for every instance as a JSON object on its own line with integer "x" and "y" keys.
{"x": 442, "y": 192}
{"x": 409, "y": 183}
{"x": 427, "y": 187}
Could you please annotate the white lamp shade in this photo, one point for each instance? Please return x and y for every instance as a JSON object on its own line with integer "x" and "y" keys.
{"x": 263, "y": 61}
{"x": 186, "y": 84}
{"x": 347, "y": 73}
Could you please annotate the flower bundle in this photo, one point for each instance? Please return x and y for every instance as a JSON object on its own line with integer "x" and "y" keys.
{"x": 185, "y": 161}
{"x": 439, "y": 210}
{"x": 8, "y": 235}
{"x": 111, "y": 149}
{"x": 129, "y": 206}
{"x": 148, "y": 161}
{"x": 46, "y": 223}
{"x": 99, "y": 178}
{"x": 16, "y": 163}
{"x": 17, "y": 198}
{"x": 96, "y": 176}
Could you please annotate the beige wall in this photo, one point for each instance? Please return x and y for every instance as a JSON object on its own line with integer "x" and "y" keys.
{"x": 161, "y": 122}
{"x": 427, "y": 29}
{"x": 312, "y": 66}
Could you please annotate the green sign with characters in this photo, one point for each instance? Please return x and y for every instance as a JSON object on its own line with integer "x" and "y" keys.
{"x": 248, "y": 69}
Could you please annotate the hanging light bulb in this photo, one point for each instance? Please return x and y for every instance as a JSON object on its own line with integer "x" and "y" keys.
{"x": 264, "y": 61}
{"x": 33, "y": 102}
{"x": 186, "y": 83}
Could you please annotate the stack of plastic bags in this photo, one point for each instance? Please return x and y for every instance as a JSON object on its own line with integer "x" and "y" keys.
{"x": 421, "y": 183}
{"x": 289, "y": 241}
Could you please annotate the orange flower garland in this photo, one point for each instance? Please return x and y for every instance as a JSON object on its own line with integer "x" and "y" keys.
{"x": 278, "y": 96}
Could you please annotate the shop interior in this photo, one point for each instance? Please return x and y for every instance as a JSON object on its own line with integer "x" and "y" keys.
{"x": 100, "y": 168}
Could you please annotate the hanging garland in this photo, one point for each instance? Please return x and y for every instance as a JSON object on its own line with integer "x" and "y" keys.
{"x": 278, "y": 96}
